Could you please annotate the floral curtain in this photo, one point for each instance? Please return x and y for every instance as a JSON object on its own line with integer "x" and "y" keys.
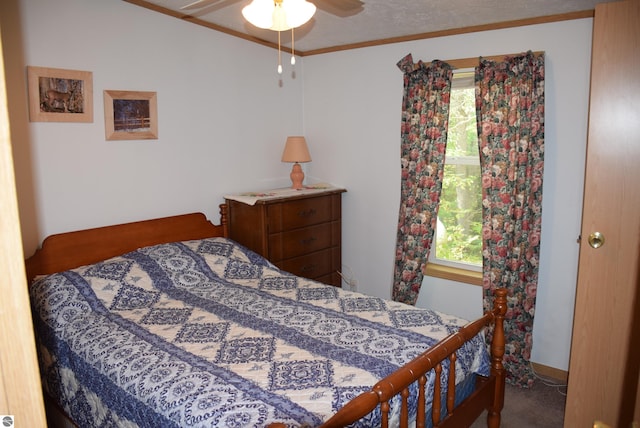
{"x": 425, "y": 114}
{"x": 510, "y": 114}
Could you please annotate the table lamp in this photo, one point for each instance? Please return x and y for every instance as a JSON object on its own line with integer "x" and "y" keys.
{"x": 295, "y": 150}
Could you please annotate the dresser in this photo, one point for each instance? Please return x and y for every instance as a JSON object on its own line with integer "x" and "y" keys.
{"x": 298, "y": 231}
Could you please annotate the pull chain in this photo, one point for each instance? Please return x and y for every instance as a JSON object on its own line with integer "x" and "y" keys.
{"x": 293, "y": 50}
{"x": 279, "y": 56}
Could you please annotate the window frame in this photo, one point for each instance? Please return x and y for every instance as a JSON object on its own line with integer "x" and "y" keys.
{"x": 442, "y": 268}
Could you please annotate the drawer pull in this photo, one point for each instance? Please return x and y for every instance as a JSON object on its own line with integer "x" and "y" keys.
{"x": 308, "y": 240}
{"x": 307, "y": 213}
{"x": 308, "y": 268}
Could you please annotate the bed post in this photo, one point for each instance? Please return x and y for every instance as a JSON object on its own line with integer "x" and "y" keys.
{"x": 223, "y": 220}
{"x": 497, "y": 353}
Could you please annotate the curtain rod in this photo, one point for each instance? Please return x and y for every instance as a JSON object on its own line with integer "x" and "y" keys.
{"x": 464, "y": 63}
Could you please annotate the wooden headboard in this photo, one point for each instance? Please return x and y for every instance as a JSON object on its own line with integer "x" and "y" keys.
{"x": 73, "y": 249}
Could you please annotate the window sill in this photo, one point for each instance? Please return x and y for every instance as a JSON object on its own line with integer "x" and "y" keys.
{"x": 453, "y": 274}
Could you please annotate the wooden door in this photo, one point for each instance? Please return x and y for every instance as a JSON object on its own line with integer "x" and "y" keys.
{"x": 20, "y": 390}
{"x": 606, "y": 305}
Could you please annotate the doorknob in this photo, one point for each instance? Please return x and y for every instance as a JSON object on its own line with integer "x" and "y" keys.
{"x": 596, "y": 240}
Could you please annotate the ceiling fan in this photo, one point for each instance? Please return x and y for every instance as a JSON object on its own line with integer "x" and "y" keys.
{"x": 281, "y": 15}
{"x": 340, "y": 8}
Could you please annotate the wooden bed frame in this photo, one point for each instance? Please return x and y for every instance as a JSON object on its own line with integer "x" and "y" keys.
{"x": 73, "y": 249}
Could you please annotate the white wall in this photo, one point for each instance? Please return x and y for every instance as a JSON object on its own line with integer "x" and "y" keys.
{"x": 352, "y": 105}
{"x": 223, "y": 114}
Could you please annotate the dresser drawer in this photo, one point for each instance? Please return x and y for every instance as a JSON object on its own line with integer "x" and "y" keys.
{"x": 284, "y": 245}
{"x": 300, "y": 233}
{"x": 299, "y": 213}
{"x": 313, "y": 265}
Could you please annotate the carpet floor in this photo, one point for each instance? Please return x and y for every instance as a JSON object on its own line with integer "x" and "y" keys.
{"x": 539, "y": 406}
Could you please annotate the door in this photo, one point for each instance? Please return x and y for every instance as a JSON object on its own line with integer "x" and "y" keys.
{"x": 20, "y": 389}
{"x": 606, "y": 304}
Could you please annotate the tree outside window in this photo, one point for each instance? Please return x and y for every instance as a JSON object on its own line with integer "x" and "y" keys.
{"x": 458, "y": 240}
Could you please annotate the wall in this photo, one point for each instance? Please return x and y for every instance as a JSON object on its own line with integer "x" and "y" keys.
{"x": 352, "y": 105}
{"x": 223, "y": 114}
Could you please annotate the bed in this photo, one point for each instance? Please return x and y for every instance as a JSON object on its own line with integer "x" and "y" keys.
{"x": 167, "y": 322}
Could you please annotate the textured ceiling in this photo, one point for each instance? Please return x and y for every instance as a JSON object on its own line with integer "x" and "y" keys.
{"x": 346, "y": 22}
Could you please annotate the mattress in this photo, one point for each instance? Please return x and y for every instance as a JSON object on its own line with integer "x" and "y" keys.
{"x": 206, "y": 333}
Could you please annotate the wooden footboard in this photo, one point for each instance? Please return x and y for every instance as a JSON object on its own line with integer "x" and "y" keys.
{"x": 488, "y": 394}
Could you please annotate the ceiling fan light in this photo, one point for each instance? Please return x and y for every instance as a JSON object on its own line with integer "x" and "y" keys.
{"x": 278, "y": 15}
{"x": 260, "y": 13}
{"x": 298, "y": 12}
{"x": 280, "y": 21}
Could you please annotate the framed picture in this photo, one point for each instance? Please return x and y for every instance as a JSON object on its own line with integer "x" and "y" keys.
{"x": 57, "y": 95}
{"x": 130, "y": 115}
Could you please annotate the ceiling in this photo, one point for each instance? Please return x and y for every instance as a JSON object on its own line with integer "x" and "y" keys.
{"x": 341, "y": 24}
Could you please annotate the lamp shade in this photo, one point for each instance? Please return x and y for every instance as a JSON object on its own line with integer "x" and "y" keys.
{"x": 278, "y": 15}
{"x": 298, "y": 12}
{"x": 296, "y": 150}
{"x": 259, "y": 13}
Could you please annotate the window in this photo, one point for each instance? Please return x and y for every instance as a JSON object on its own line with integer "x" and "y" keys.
{"x": 457, "y": 244}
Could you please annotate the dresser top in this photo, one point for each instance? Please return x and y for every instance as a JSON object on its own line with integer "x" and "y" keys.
{"x": 252, "y": 198}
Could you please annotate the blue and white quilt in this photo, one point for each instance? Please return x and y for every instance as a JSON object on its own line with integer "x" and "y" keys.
{"x": 206, "y": 333}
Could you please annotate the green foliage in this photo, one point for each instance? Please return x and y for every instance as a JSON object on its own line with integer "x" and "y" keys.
{"x": 460, "y": 209}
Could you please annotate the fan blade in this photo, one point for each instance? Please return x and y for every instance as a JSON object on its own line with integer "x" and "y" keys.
{"x": 341, "y": 8}
{"x": 198, "y": 4}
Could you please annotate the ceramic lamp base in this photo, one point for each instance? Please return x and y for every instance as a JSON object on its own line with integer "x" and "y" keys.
{"x": 297, "y": 176}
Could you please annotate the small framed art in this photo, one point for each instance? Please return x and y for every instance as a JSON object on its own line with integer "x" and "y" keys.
{"x": 130, "y": 115}
{"x": 58, "y": 95}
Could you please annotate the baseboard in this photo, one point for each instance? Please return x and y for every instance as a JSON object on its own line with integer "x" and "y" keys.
{"x": 551, "y": 372}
